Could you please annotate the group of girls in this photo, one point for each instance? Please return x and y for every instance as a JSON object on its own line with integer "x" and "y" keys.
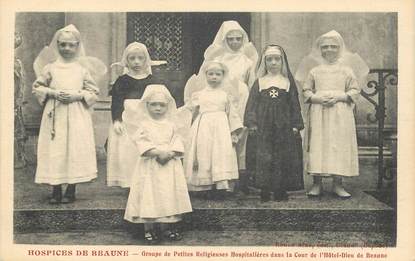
{"x": 241, "y": 119}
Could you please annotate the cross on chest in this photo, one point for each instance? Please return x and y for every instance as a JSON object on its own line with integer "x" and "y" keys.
{"x": 273, "y": 93}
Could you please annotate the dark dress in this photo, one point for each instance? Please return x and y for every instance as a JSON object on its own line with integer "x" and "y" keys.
{"x": 274, "y": 153}
{"x": 127, "y": 87}
{"x": 121, "y": 152}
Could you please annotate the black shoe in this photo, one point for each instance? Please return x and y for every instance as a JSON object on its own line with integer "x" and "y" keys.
{"x": 151, "y": 237}
{"x": 281, "y": 196}
{"x": 265, "y": 196}
{"x": 56, "y": 195}
{"x": 69, "y": 196}
{"x": 67, "y": 200}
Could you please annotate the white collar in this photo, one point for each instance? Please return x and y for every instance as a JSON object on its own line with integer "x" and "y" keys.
{"x": 277, "y": 81}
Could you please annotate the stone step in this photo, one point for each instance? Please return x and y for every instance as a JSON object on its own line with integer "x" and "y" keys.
{"x": 99, "y": 207}
{"x": 216, "y": 238}
{"x": 361, "y": 213}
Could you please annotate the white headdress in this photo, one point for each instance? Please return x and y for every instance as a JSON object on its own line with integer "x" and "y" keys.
{"x": 345, "y": 57}
{"x": 135, "y": 111}
{"x": 217, "y": 49}
{"x": 136, "y": 46}
{"x": 220, "y": 45}
{"x": 272, "y": 50}
{"x": 199, "y": 82}
{"x": 50, "y": 54}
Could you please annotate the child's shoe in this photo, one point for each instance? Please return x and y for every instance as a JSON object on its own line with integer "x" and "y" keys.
{"x": 265, "y": 196}
{"x": 172, "y": 234}
{"x": 69, "y": 196}
{"x": 56, "y": 195}
{"x": 316, "y": 189}
{"x": 281, "y": 196}
{"x": 150, "y": 237}
{"x": 339, "y": 190}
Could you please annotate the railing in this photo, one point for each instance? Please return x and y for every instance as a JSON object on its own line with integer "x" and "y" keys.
{"x": 385, "y": 78}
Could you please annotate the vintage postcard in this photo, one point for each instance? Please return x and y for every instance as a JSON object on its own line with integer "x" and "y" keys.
{"x": 176, "y": 130}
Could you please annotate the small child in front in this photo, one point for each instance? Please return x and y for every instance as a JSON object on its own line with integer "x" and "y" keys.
{"x": 158, "y": 191}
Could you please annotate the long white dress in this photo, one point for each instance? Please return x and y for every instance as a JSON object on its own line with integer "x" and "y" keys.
{"x": 332, "y": 141}
{"x": 158, "y": 193}
{"x": 240, "y": 67}
{"x": 211, "y": 159}
{"x": 68, "y": 157}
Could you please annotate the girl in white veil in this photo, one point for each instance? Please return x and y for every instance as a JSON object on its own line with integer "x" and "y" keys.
{"x": 331, "y": 78}
{"x": 231, "y": 47}
{"x": 66, "y": 87}
{"x": 158, "y": 193}
{"x": 210, "y": 160}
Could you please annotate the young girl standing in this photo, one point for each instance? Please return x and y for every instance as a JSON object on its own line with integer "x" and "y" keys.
{"x": 210, "y": 162}
{"x": 158, "y": 192}
{"x": 128, "y": 87}
{"x": 331, "y": 88}
{"x": 231, "y": 47}
{"x": 66, "y": 149}
{"x": 273, "y": 115}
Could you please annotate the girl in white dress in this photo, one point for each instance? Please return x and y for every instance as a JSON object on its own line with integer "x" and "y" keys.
{"x": 210, "y": 162}
{"x": 158, "y": 191}
{"x": 66, "y": 89}
{"x": 231, "y": 47}
{"x": 331, "y": 87}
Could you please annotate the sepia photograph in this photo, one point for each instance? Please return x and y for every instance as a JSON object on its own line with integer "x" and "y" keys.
{"x": 205, "y": 128}
{"x": 171, "y": 130}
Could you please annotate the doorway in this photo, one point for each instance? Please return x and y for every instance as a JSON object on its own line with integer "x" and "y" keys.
{"x": 179, "y": 38}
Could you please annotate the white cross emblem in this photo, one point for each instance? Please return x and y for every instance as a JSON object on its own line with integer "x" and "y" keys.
{"x": 273, "y": 93}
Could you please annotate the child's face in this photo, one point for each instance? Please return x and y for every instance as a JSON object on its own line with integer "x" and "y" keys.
{"x": 329, "y": 50}
{"x": 234, "y": 40}
{"x": 214, "y": 76}
{"x": 67, "y": 45}
{"x": 273, "y": 63}
{"x": 136, "y": 61}
{"x": 157, "y": 106}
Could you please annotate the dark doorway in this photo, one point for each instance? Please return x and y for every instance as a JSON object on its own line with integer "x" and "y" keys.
{"x": 179, "y": 38}
{"x": 204, "y": 27}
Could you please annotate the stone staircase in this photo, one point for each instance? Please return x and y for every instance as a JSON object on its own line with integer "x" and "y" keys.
{"x": 101, "y": 208}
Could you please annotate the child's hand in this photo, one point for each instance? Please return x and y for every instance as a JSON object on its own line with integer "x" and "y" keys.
{"x": 70, "y": 97}
{"x": 329, "y": 101}
{"x": 235, "y": 138}
{"x": 252, "y": 130}
{"x": 53, "y": 93}
{"x": 119, "y": 127}
{"x": 164, "y": 157}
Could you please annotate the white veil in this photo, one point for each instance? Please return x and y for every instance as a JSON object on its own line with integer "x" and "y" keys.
{"x": 346, "y": 58}
{"x": 50, "y": 54}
